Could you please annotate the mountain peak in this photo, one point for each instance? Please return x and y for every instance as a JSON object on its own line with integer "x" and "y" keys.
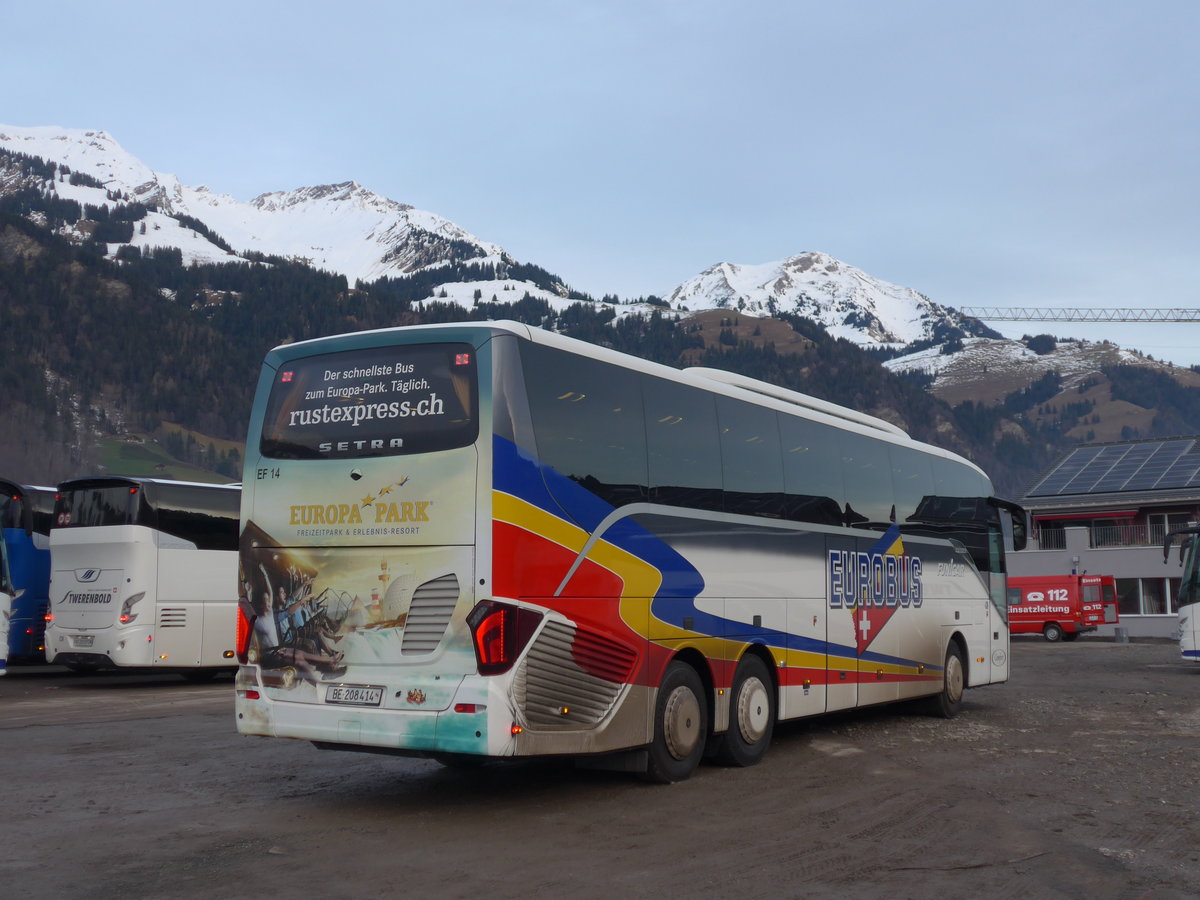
{"x": 847, "y": 301}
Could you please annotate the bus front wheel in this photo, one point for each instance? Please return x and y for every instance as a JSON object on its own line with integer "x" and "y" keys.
{"x": 948, "y": 701}
{"x": 680, "y": 726}
{"x": 751, "y": 715}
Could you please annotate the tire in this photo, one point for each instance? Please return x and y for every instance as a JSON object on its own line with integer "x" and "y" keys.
{"x": 751, "y": 715}
{"x": 1052, "y": 632}
{"x": 680, "y": 726}
{"x": 948, "y": 701}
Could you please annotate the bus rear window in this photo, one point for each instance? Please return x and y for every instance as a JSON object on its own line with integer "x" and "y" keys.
{"x": 86, "y": 507}
{"x": 383, "y": 401}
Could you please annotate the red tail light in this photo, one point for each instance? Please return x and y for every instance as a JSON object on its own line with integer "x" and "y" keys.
{"x": 500, "y": 632}
{"x": 245, "y": 629}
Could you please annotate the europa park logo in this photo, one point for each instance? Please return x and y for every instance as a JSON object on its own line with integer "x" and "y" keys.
{"x": 380, "y": 507}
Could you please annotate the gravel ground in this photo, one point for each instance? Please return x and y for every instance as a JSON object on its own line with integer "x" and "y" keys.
{"x": 1078, "y": 778}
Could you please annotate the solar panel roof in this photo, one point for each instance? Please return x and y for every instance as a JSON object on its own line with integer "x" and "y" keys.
{"x": 1113, "y": 468}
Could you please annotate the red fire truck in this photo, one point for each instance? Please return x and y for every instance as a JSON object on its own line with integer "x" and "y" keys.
{"x": 1061, "y": 607}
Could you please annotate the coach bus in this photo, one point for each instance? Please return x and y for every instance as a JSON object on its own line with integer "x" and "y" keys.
{"x": 26, "y": 512}
{"x": 1188, "y": 601}
{"x": 144, "y": 574}
{"x": 502, "y": 542}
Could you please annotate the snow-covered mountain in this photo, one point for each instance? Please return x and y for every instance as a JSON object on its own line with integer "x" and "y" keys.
{"x": 847, "y": 301}
{"x": 346, "y": 228}
{"x": 343, "y": 228}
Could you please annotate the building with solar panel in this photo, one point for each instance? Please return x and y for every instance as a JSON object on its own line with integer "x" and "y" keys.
{"x": 1104, "y": 509}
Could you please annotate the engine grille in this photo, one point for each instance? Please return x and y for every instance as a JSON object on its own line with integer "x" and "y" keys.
{"x": 428, "y": 615}
{"x": 571, "y": 677}
{"x": 172, "y": 617}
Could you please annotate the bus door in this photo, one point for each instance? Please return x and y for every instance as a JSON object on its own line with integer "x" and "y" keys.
{"x": 1007, "y": 530}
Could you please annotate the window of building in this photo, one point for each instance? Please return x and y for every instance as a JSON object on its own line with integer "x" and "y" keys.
{"x": 1154, "y": 597}
{"x": 1129, "y": 598}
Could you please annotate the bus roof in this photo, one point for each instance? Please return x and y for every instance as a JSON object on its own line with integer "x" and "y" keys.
{"x": 712, "y": 380}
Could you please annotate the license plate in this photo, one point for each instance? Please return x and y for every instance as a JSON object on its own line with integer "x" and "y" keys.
{"x": 82, "y": 640}
{"x": 354, "y": 694}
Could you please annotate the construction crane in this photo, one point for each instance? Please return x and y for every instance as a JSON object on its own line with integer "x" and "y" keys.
{"x": 1078, "y": 314}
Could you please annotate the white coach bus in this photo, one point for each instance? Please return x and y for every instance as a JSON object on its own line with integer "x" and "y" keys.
{"x": 507, "y": 543}
{"x": 143, "y": 574}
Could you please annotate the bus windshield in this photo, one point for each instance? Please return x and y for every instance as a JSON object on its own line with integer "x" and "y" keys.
{"x": 383, "y": 401}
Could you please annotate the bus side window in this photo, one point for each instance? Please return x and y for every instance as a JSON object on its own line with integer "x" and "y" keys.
{"x": 587, "y": 422}
{"x": 812, "y": 471}
{"x": 868, "y": 473}
{"x": 683, "y": 445}
{"x": 204, "y": 516}
{"x": 751, "y": 468}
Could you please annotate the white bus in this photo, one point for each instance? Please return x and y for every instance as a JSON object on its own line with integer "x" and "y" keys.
{"x": 143, "y": 574}
{"x": 1188, "y": 600}
{"x": 504, "y": 542}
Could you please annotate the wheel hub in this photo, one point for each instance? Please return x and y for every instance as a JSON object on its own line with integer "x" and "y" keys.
{"x": 954, "y": 679}
{"x": 753, "y": 708}
{"x": 681, "y": 723}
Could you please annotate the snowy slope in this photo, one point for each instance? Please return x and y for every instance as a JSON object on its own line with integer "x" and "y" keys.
{"x": 848, "y": 302}
{"x": 342, "y": 228}
{"x": 987, "y": 370}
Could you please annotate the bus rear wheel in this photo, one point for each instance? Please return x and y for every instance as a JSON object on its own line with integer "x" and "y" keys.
{"x": 680, "y": 726}
{"x": 1052, "y": 632}
{"x": 751, "y": 715}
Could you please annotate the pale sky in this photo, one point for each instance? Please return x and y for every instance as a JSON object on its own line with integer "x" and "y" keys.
{"x": 985, "y": 154}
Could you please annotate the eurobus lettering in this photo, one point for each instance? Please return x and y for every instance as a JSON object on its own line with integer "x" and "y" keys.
{"x": 873, "y": 579}
{"x": 598, "y": 556}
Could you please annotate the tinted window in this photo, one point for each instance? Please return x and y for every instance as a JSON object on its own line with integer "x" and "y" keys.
{"x": 383, "y": 401}
{"x": 812, "y": 467}
{"x": 912, "y": 480}
{"x": 683, "y": 445}
{"x": 953, "y": 479}
{"x": 752, "y": 472}
{"x": 868, "y": 475}
{"x": 204, "y": 516}
{"x": 587, "y": 421}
